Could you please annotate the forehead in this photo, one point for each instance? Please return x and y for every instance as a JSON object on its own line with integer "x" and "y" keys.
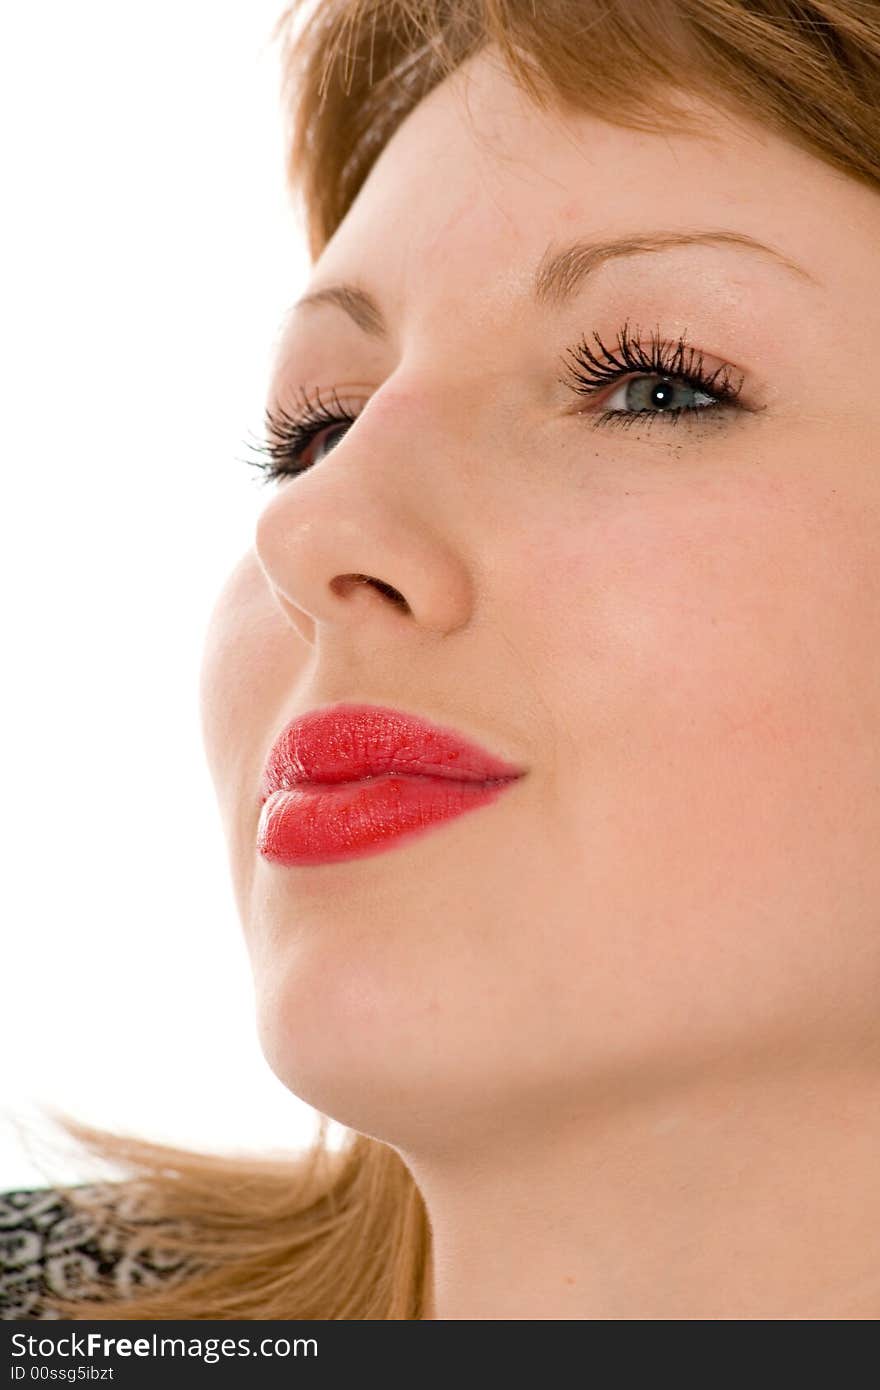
{"x": 476, "y": 182}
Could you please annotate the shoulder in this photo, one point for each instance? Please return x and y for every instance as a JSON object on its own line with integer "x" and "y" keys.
{"x": 50, "y": 1244}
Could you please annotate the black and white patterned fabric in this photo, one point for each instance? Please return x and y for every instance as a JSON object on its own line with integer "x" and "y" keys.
{"x": 47, "y": 1247}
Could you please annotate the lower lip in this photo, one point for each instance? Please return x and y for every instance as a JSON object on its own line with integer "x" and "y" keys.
{"x": 322, "y": 824}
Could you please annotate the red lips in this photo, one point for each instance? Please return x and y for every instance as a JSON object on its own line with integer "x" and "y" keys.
{"x": 342, "y": 781}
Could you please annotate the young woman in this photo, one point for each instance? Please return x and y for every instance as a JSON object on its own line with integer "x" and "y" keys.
{"x": 544, "y": 712}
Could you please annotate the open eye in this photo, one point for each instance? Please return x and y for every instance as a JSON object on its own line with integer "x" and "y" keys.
{"x": 290, "y": 436}
{"x": 665, "y": 380}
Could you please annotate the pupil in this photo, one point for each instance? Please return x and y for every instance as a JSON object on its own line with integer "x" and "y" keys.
{"x": 661, "y": 393}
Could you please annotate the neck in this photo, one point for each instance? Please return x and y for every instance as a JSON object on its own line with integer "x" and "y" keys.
{"x": 749, "y": 1199}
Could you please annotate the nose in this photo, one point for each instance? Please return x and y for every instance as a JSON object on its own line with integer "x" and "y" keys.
{"x": 366, "y": 538}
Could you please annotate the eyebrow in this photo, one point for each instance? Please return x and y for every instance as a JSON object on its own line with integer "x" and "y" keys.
{"x": 560, "y": 273}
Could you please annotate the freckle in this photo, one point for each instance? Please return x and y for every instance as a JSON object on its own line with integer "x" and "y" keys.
{"x": 569, "y": 1278}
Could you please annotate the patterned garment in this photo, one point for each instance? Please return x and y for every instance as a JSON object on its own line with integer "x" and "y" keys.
{"x": 47, "y": 1247}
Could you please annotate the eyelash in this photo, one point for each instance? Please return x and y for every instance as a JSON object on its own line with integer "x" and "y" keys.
{"x": 289, "y": 433}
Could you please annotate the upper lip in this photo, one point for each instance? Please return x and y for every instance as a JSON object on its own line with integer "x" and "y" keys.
{"x": 350, "y": 742}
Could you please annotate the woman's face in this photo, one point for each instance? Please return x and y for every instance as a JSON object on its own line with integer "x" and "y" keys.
{"x": 671, "y": 623}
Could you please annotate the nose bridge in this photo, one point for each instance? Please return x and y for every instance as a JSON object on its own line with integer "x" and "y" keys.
{"x": 431, "y": 396}
{"x": 431, "y": 431}
{"x": 438, "y": 405}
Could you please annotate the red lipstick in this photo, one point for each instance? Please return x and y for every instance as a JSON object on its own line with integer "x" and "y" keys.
{"x": 351, "y": 780}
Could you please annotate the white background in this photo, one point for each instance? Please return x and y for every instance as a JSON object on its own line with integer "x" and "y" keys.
{"x": 149, "y": 254}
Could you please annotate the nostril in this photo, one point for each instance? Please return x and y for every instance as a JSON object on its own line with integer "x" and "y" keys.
{"x": 342, "y": 582}
{"x": 394, "y": 594}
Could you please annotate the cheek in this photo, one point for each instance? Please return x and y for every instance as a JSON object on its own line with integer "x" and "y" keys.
{"x": 718, "y": 689}
{"x": 736, "y": 623}
{"x": 251, "y": 660}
